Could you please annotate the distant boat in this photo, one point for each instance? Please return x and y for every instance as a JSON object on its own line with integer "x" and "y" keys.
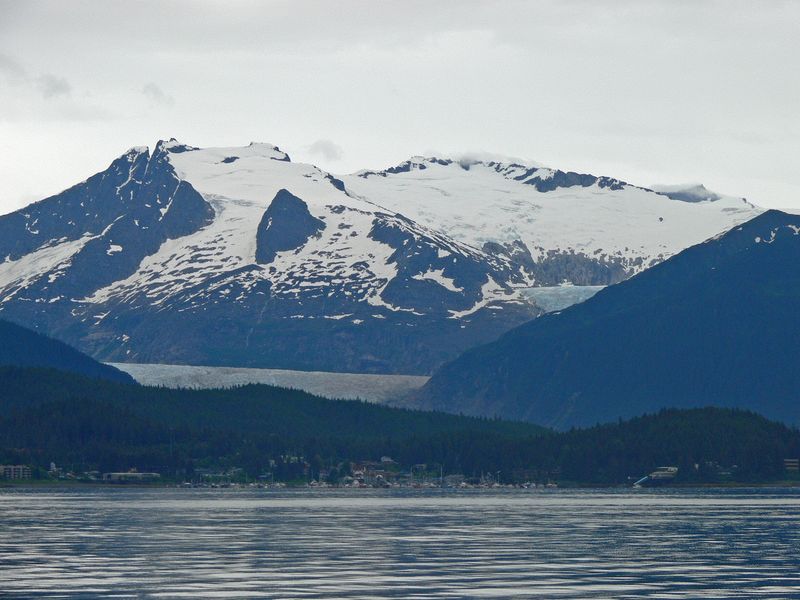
{"x": 660, "y": 476}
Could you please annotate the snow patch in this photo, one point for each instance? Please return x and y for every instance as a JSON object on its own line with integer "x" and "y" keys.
{"x": 438, "y": 276}
{"x": 490, "y": 291}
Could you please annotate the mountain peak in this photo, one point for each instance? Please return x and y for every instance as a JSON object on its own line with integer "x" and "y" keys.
{"x": 464, "y": 161}
{"x": 270, "y": 149}
{"x": 172, "y": 145}
{"x": 492, "y": 159}
{"x": 134, "y": 151}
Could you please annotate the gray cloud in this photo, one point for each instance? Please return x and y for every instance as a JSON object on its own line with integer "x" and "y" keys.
{"x": 51, "y": 86}
{"x": 47, "y": 85}
{"x": 474, "y": 156}
{"x": 157, "y": 95}
{"x": 326, "y": 149}
{"x": 11, "y": 69}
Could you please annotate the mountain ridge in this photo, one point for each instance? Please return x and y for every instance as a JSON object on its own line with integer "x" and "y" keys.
{"x": 367, "y": 274}
{"x": 21, "y": 347}
{"x": 557, "y": 226}
{"x": 170, "y": 257}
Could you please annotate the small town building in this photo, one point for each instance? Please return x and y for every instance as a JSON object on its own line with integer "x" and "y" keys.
{"x": 131, "y": 477}
{"x": 15, "y": 472}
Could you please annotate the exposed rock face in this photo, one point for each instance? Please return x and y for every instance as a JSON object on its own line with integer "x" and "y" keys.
{"x": 286, "y": 225}
{"x": 554, "y": 267}
{"x": 67, "y": 247}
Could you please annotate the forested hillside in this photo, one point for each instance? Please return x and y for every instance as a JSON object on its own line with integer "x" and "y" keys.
{"x": 94, "y": 425}
{"x": 25, "y": 348}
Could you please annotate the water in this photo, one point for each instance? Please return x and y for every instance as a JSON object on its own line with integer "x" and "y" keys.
{"x": 170, "y": 543}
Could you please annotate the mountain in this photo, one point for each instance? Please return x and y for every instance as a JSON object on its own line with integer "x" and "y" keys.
{"x": 558, "y": 226}
{"x": 715, "y": 325}
{"x": 21, "y": 347}
{"x": 237, "y": 256}
{"x": 240, "y": 257}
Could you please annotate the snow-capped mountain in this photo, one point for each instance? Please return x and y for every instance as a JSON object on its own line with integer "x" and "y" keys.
{"x": 240, "y": 257}
{"x": 237, "y": 256}
{"x": 559, "y": 226}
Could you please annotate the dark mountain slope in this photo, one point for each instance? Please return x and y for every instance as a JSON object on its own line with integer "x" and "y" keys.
{"x": 25, "y": 348}
{"x": 718, "y": 324}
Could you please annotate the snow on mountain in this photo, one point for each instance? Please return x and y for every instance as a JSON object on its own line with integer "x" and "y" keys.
{"x": 345, "y": 253}
{"x": 560, "y": 226}
{"x": 715, "y": 325}
{"x": 238, "y": 256}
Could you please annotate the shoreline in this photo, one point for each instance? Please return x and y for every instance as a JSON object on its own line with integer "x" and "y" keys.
{"x": 781, "y": 484}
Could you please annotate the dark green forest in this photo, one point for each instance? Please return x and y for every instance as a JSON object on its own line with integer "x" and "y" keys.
{"x": 95, "y": 425}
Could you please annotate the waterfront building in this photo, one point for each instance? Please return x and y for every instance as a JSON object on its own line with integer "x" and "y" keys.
{"x": 15, "y": 472}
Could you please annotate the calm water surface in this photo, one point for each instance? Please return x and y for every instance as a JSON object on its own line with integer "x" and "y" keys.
{"x": 170, "y": 543}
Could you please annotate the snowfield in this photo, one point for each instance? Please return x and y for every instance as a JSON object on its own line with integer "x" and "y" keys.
{"x": 477, "y": 202}
{"x": 240, "y": 183}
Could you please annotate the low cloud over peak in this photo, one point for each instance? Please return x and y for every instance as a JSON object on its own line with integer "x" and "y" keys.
{"x": 326, "y": 149}
{"x": 51, "y": 86}
{"x": 47, "y": 84}
{"x": 157, "y": 95}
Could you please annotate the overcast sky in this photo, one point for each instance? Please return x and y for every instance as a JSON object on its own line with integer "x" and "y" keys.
{"x": 649, "y": 92}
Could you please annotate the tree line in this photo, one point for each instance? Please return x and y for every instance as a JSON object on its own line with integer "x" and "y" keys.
{"x": 89, "y": 424}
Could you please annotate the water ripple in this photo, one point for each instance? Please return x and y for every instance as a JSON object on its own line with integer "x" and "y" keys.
{"x": 165, "y": 543}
